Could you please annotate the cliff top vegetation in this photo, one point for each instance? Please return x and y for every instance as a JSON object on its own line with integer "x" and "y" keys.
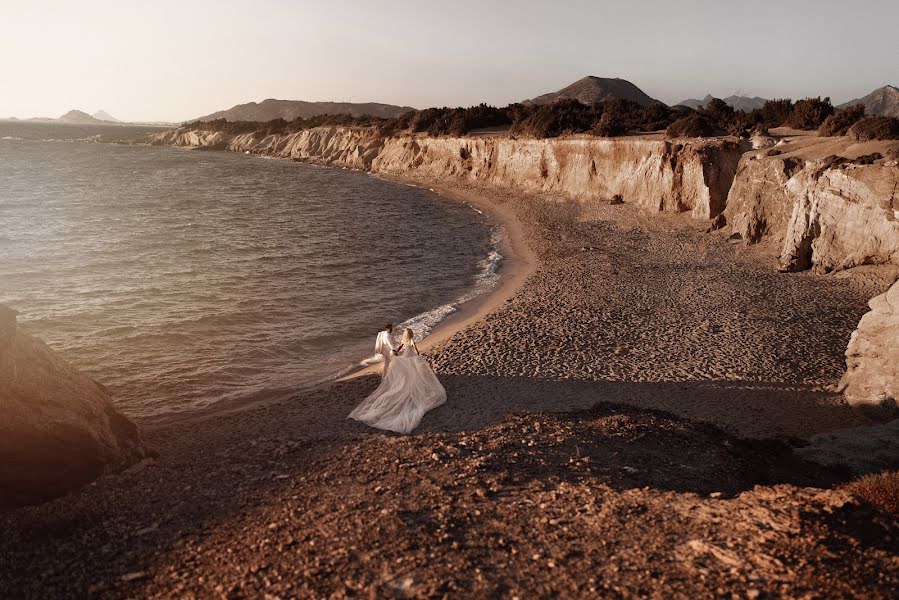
{"x": 609, "y": 118}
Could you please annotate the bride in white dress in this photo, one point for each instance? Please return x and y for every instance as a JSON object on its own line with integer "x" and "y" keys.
{"x": 408, "y": 390}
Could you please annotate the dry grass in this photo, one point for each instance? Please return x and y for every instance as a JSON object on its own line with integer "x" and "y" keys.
{"x": 881, "y": 489}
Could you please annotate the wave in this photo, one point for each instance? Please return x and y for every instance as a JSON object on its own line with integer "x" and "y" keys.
{"x": 485, "y": 280}
{"x": 423, "y": 324}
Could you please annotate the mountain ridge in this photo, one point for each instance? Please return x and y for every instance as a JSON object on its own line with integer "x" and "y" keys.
{"x": 79, "y": 117}
{"x": 883, "y": 101}
{"x": 289, "y": 110}
{"x": 102, "y": 115}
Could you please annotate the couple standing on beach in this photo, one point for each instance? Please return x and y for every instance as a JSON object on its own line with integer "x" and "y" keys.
{"x": 409, "y": 388}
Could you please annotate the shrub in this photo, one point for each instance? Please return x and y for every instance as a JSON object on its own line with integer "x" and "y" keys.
{"x": 609, "y": 118}
{"x": 557, "y": 118}
{"x": 745, "y": 124}
{"x": 809, "y": 113}
{"x": 881, "y": 489}
{"x": 276, "y": 126}
{"x": 875, "y": 128}
{"x": 655, "y": 117}
{"x": 690, "y": 126}
{"x": 608, "y": 125}
{"x": 773, "y": 113}
{"x": 841, "y": 120}
{"x": 718, "y": 113}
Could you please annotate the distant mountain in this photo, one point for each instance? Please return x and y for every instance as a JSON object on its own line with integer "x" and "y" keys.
{"x": 882, "y": 101}
{"x": 744, "y": 103}
{"x": 78, "y": 117}
{"x": 596, "y": 89}
{"x": 291, "y": 109}
{"x": 102, "y": 115}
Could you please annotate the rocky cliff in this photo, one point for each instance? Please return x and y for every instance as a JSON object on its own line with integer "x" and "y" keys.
{"x": 661, "y": 175}
{"x": 58, "y": 428}
{"x": 829, "y": 213}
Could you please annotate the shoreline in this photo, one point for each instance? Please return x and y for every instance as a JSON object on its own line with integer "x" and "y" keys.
{"x": 518, "y": 263}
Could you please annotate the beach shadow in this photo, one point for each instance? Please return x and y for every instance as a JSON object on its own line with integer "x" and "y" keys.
{"x": 749, "y": 409}
{"x": 700, "y": 437}
{"x": 624, "y": 435}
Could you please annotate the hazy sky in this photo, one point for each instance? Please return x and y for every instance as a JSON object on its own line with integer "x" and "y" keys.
{"x": 174, "y": 60}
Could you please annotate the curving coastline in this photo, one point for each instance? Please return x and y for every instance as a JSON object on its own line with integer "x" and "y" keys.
{"x": 831, "y": 202}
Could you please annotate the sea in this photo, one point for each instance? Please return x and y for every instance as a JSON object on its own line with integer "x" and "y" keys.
{"x": 183, "y": 279}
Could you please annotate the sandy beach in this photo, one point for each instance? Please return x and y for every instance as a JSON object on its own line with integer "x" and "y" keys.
{"x": 550, "y": 469}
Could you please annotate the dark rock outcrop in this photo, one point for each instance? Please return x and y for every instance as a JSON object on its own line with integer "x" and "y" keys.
{"x": 58, "y": 427}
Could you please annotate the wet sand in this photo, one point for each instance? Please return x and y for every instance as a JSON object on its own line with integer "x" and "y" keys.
{"x": 621, "y": 310}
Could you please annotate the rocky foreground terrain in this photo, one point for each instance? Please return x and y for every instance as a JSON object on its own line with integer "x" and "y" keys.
{"x": 550, "y": 472}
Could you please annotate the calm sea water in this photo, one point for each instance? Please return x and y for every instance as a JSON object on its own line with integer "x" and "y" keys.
{"x": 180, "y": 278}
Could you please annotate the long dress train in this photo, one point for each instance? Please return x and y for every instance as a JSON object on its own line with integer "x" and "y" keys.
{"x": 408, "y": 390}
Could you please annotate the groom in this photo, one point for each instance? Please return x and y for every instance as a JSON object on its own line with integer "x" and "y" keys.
{"x": 385, "y": 345}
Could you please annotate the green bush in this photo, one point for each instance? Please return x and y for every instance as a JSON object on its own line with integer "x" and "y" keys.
{"x": 718, "y": 113}
{"x": 841, "y": 120}
{"x": 875, "y": 128}
{"x": 608, "y": 125}
{"x": 774, "y": 113}
{"x": 690, "y": 126}
{"x": 558, "y": 118}
{"x": 809, "y": 113}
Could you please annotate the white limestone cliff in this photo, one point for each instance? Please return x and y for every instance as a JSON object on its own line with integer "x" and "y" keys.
{"x": 661, "y": 175}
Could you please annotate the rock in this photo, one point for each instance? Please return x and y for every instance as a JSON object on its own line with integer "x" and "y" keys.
{"x": 761, "y": 141}
{"x": 717, "y": 223}
{"x": 58, "y": 427}
{"x": 843, "y": 216}
{"x": 757, "y": 205}
{"x": 829, "y": 214}
{"x": 872, "y": 357}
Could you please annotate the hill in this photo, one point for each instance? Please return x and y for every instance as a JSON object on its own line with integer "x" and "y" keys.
{"x": 744, "y": 103}
{"x": 102, "y": 115}
{"x": 596, "y": 89}
{"x": 79, "y": 117}
{"x": 882, "y": 101}
{"x": 291, "y": 109}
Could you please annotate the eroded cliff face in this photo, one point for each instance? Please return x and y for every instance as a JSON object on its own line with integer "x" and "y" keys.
{"x": 844, "y": 215}
{"x": 661, "y": 175}
{"x": 830, "y": 214}
{"x": 656, "y": 174}
{"x": 58, "y": 427}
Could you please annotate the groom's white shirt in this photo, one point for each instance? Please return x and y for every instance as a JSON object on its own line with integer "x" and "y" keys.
{"x": 384, "y": 345}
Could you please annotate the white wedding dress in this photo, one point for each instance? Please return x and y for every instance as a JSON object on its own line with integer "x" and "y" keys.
{"x": 408, "y": 390}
